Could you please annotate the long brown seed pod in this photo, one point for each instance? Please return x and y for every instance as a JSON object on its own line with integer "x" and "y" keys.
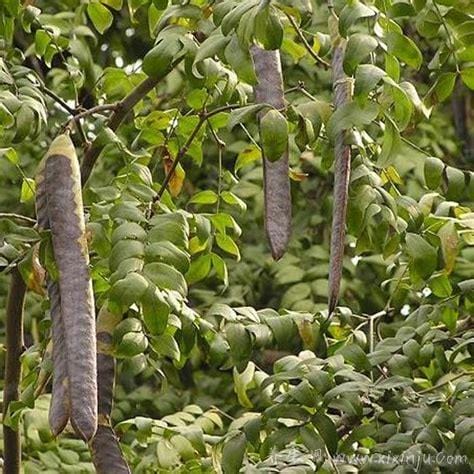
{"x": 59, "y": 412}
{"x": 269, "y": 90}
{"x": 14, "y": 348}
{"x": 106, "y": 453}
{"x": 62, "y": 187}
{"x": 342, "y": 87}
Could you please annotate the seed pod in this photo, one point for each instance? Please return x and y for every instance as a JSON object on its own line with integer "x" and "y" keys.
{"x": 59, "y": 412}
{"x": 106, "y": 453}
{"x": 106, "y": 323}
{"x": 60, "y": 183}
{"x": 269, "y": 90}
{"x": 274, "y": 135}
{"x": 342, "y": 170}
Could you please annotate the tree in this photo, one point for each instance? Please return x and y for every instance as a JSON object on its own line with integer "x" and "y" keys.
{"x": 342, "y": 129}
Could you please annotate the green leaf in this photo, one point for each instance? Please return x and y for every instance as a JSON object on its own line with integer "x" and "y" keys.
{"x": 221, "y": 268}
{"x": 127, "y": 291}
{"x": 444, "y": 85}
{"x": 404, "y": 49}
{"x": 449, "y": 245}
{"x": 28, "y": 188}
{"x": 6, "y": 118}
{"x": 166, "y": 345}
{"x": 125, "y": 249}
{"x": 228, "y": 245}
{"x": 424, "y": 257}
{"x": 367, "y": 76}
{"x": 233, "y": 17}
{"x": 359, "y": 46}
{"x": 159, "y": 60}
{"x": 391, "y": 145}
{"x": 247, "y": 156}
{"x": 433, "y": 172}
{"x": 273, "y": 135}
{"x": 396, "y": 381}
{"x": 126, "y": 211}
{"x": 351, "y": 115}
{"x": 240, "y": 61}
{"x": 351, "y": 13}
{"x": 196, "y": 98}
{"x": 204, "y": 197}
{"x": 268, "y": 28}
{"x": 128, "y": 231}
{"x": 132, "y": 344}
{"x": 354, "y": 354}
{"x": 155, "y": 310}
{"x": 327, "y": 430}
{"x": 233, "y": 200}
{"x": 467, "y": 287}
{"x": 170, "y": 227}
{"x": 239, "y": 341}
{"x": 440, "y": 286}
{"x": 213, "y": 45}
{"x": 243, "y": 114}
{"x": 169, "y": 253}
{"x": 115, "y": 4}
{"x": 10, "y": 154}
{"x": 242, "y": 382}
{"x": 42, "y": 40}
{"x": 233, "y": 453}
{"x": 199, "y": 269}
{"x": 166, "y": 277}
{"x": 25, "y": 121}
{"x": 100, "y": 16}
{"x": 456, "y": 183}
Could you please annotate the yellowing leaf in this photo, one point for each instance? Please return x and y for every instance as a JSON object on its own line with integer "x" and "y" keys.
{"x": 177, "y": 179}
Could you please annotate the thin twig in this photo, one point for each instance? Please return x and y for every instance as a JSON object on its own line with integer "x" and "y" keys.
{"x": 12, "y": 215}
{"x": 94, "y": 110}
{"x": 184, "y": 149}
{"x": 58, "y": 100}
{"x": 442, "y": 384}
{"x": 307, "y": 46}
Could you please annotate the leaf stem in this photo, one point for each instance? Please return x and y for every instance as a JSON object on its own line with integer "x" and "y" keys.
{"x": 12, "y": 215}
{"x": 183, "y": 150}
{"x": 307, "y": 46}
{"x": 442, "y": 384}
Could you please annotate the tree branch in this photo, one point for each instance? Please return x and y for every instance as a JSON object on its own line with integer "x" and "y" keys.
{"x": 121, "y": 110}
{"x": 14, "y": 349}
{"x": 94, "y": 110}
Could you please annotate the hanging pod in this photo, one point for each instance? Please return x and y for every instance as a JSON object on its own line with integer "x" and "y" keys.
{"x": 274, "y": 137}
{"x": 342, "y": 89}
{"x": 106, "y": 453}
{"x": 59, "y": 208}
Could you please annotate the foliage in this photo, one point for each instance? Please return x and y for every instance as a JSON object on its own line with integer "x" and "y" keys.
{"x": 228, "y": 360}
